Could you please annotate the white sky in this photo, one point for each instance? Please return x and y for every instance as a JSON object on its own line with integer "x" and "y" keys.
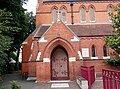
{"x": 31, "y": 6}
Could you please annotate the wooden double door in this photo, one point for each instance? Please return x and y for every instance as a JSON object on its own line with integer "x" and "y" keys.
{"x": 59, "y": 64}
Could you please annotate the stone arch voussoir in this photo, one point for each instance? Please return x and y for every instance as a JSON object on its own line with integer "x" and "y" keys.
{"x": 54, "y": 43}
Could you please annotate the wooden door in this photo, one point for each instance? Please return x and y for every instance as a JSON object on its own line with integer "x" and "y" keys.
{"x": 59, "y": 65}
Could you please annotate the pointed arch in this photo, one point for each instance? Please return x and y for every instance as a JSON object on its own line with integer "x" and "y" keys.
{"x": 105, "y": 51}
{"x": 82, "y": 6}
{"x": 92, "y": 13}
{"x": 54, "y": 7}
{"x": 54, "y": 13}
{"x": 82, "y": 13}
{"x": 60, "y": 63}
{"x": 63, "y": 15}
{"x": 61, "y": 47}
{"x": 93, "y": 51}
{"x": 63, "y": 6}
{"x": 58, "y": 41}
{"x": 92, "y": 7}
{"x": 110, "y": 10}
{"x": 63, "y": 9}
{"x": 110, "y": 5}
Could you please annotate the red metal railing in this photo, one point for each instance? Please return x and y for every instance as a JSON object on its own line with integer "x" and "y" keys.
{"x": 89, "y": 74}
{"x": 111, "y": 79}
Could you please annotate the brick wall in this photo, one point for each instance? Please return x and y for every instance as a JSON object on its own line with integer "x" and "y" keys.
{"x": 98, "y": 42}
{"x": 24, "y": 68}
{"x": 43, "y": 72}
{"x": 99, "y": 64}
{"x": 58, "y": 34}
{"x": 45, "y": 16}
{"x": 26, "y": 52}
{"x": 32, "y": 69}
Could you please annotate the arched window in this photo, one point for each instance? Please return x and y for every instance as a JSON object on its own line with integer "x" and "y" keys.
{"x": 63, "y": 15}
{"x": 82, "y": 14}
{"x": 105, "y": 51}
{"x": 93, "y": 51}
{"x": 54, "y": 15}
{"x": 92, "y": 14}
{"x": 110, "y": 11}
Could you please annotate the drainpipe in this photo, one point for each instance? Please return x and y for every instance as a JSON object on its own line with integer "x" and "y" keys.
{"x": 72, "y": 17}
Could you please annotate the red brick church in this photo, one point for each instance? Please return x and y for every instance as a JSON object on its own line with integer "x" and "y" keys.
{"x": 69, "y": 34}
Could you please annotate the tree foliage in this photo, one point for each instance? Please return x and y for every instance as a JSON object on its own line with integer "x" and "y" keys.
{"x": 16, "y": 25}
{"x": 114, "y": 40}
{"x": 31, "y": 23}
{"x": 5, "y": 37}
{"x": 114, "y": 62}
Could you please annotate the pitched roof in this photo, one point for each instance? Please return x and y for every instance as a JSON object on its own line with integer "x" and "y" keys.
{"x": 41, "y": 31}
{"x": 92, "y": 30}
{"x": 83, "y": 30}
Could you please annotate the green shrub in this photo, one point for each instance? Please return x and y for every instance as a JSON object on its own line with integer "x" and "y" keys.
{"x": 14, "y": 85}
{"x": 113, "y": 62}
{"x": 2, "y": 88}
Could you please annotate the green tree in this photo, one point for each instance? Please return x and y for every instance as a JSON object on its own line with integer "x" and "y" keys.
{"x": 6, "y": 39}
{"x": 114, "y": 40}
{"x": 26, "y": 22}
{"x": 31, "y": 23}
{"x": 19, "y": 20}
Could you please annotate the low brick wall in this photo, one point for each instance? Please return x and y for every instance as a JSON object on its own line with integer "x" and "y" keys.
{"x": 42, "y": 70}
{"x": 31, "y": 69}
{"x": 74, "y": 69}
{"x": 99, "y": 64}
{"x": 24, "y": 67}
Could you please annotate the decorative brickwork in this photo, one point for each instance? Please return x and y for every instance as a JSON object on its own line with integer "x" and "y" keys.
{"x": 76, "y": 40}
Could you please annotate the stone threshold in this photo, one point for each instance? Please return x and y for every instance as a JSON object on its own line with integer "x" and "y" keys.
{"x": 31, "y": 78}
{"x": 59, "y": 81}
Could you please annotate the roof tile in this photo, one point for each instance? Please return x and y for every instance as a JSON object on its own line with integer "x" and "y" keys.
{"x": 84, "y": 30}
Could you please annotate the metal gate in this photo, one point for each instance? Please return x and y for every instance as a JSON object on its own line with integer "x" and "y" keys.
{"x": 89, "y": 74}
{"x": 111, "y": 79}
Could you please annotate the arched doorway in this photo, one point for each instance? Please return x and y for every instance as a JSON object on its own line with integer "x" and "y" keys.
{"x": 59, "y": 64}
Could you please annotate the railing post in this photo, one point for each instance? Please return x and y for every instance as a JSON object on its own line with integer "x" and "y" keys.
{"x": 119, "y": 75}
{"x": 119, "y": 79}
{"x": 89, "y": 78}
{"x": 111, "y": 79}
{"x": 88, "y": 73}
{"x": 103, "y": 74}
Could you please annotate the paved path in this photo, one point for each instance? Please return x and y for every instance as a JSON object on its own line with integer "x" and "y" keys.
{"x": 98, "y": 84}
{"x": 32, "y": 85}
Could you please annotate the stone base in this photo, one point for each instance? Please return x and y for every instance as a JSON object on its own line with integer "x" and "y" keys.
{"x": 31, "y": 78}
{"x": 82, "y": 82}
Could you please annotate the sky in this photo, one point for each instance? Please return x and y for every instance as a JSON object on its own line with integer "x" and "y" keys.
{"x": 31, "y": 6}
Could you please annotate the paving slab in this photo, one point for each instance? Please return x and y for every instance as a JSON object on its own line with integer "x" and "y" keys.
{"x": 98, "y": 84}
{"x": 32, "y": 85}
